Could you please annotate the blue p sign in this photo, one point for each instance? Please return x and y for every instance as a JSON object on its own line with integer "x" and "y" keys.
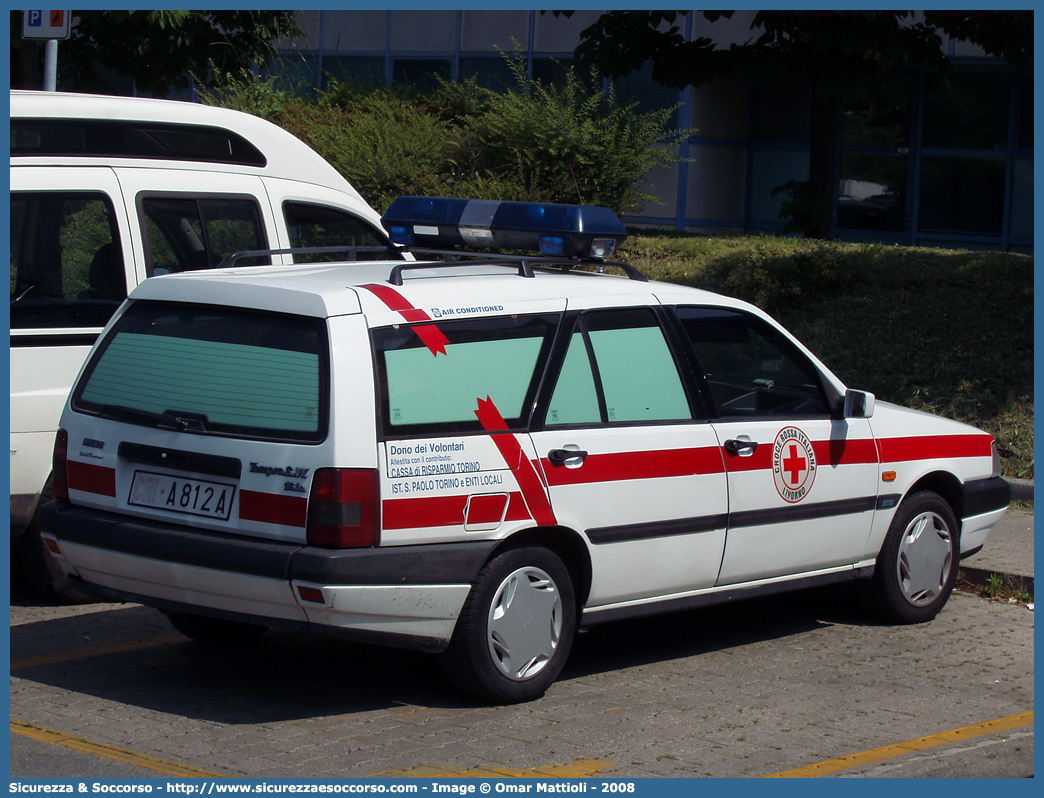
{"x": 35, "y": 19}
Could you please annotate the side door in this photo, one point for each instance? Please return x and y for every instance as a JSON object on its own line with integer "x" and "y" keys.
{"x": 192, "y": 219}
{"x": 71, "y": 252}
{"x": 629, "y": 460}
{"x": 802, "y": 482}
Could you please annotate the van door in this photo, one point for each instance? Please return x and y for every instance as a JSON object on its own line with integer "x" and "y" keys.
{"x": 630, "y": 463}
{"x": 70, "y": 250}
{"x": 802, "y": 484}
{"x": 188, "y": 220}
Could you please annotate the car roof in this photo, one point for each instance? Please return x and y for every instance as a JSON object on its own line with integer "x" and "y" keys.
{"x": 327, "y": 290}
{"x": 287, "y": 156}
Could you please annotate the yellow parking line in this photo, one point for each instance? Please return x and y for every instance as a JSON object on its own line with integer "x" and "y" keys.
{"x": 96, "y": 651}
{"x": 581, "y": 768}
{"x": 899, "y": 749}
{"x": 115, "y": 753}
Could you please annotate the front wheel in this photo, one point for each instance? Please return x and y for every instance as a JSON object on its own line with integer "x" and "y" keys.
{"x": 917, "y": 567}
{"x": 516, "y": 628}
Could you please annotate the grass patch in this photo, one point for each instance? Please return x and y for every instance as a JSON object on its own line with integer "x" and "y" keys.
{"x": 945, "y": 331}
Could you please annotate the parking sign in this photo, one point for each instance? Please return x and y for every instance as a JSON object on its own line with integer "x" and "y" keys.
{"x": 46, "y": 24}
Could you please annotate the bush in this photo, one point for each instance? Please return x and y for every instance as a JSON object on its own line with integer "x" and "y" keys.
{"x": 570, "y": 144}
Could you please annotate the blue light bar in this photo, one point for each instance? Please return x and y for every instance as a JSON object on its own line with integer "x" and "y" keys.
{"x": 585, "y": 231}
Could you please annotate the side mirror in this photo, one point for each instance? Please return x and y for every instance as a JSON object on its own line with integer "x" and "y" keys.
{"x": 859, "y": 404}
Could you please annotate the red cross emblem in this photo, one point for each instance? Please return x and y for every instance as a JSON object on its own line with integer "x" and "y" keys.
{"x": 793, "y": 464}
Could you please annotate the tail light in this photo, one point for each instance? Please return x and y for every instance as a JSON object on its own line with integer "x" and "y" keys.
{"x": 343, "y": 509}
{"x": 59, "y": 469}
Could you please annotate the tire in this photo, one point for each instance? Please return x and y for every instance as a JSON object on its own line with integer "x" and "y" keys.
{"x": 215, "y": 631}
{"x": 38, "y": 565}
{"x": 516, "y": 628}
{"x": 917, "y": 566}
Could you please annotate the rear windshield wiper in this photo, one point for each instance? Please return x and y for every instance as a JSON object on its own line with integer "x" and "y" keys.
{"x": 169, "y": 419}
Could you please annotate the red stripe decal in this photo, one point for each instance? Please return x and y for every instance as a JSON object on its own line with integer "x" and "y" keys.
{"x": 272, "y": 508}
{"x": 638, "y": 465}
{"x": 436, "y": 511}
{"x": 841, "y": 452}
{"x": 526, "y": 474}
{"x": 91, "y": 478}
{"x": 931, "y": 447}
{"x": 428, "y": 512}
{"x": 430, "y": 334}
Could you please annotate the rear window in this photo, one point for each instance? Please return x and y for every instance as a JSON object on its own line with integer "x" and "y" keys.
{"x": 211, "y": 371}
{"x": 433, "y": 377}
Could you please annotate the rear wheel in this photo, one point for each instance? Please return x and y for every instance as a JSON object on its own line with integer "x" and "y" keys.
{"x": 38, "y": 565}
{"x": 215, "y": 631}
{"x": 516, "y": 628}
{"x": 917, "y": 567}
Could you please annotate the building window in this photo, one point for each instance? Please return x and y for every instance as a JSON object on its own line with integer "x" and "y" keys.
{"x": 962, "y": 195}
{"x": 967, "y": 110}
{"x": 421, "y": 73}
{"x": 872, "y": 191}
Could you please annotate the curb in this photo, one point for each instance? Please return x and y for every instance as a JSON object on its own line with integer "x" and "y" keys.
{"x": 979, "y": 578}
{"x": 1021, "y": 489}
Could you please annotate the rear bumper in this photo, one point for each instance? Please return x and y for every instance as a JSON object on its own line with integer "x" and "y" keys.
{"x": 409, "y": 596}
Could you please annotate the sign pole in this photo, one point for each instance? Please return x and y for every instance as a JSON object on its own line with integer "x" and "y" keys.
{"x": 50, "y": 81}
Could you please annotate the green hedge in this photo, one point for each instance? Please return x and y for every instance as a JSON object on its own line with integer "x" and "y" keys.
{"x": 570, "y": 143}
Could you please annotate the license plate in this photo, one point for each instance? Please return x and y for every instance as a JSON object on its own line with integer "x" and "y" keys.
{"x": 182, "y": 495}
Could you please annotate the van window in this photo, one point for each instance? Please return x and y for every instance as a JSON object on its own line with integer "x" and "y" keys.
{"x": 214, "y": 371}
{"x": 185, "y": 233}
{"x": 751, "y": 369}
{"x": 322, "y": 226}
{"x": 436, "y": 387}
{"x": 618, "y": 368}
{"x": 66, "y": 261}
{"x": 122, "y": 138}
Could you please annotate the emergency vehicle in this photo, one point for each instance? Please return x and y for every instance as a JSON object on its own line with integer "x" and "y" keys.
{"x": 478, "y": 455}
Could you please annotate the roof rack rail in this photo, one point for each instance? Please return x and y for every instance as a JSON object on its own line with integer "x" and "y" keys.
{"x": 524, "y": 263}
{"x": 230, "y": 260}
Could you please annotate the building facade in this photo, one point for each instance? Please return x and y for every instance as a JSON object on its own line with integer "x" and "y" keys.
{"x": 953, "y": 166}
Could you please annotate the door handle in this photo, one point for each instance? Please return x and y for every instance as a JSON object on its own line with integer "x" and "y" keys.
{"x": 559, "y": 457}
{"x": 741, "y": 447}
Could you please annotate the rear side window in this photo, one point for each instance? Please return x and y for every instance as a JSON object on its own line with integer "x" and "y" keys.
{"x": 322, "y": 226}
{"x": 66, "y": 261}
{"x": 211, "y": 371}
{"x": 751, "y": 368}
{"x": 618, "y": 369}
{"x": 185, "y": 233}
{"x": 433, "y": 377}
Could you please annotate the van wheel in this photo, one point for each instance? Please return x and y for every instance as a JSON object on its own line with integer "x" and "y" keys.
{"x": 516, "y": 628}
{"x": 38, "y": 565}
{"x": 215, "y": 631}
{"x": 917, "y": 567}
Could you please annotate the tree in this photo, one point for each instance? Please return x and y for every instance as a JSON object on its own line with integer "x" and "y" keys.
{"x": 850, "y": 57}
{"x": 158, "y": 50}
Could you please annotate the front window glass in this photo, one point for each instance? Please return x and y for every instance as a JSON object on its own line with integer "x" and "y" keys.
{"x": 211, "y": 371}
{"x": 752, "y": 370}
{"x": 322, "y": 226}
{"x": 67, "y": 265}
{"x": 434, "y": 376}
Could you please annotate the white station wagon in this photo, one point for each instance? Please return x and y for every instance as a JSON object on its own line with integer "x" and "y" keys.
{"x": 479, "y": 455}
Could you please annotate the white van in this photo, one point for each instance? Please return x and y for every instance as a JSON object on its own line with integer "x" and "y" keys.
{"x": 106, "y": 191}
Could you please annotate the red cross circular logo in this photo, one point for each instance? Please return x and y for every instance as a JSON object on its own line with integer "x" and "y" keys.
{"x": 793, "y": 464}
